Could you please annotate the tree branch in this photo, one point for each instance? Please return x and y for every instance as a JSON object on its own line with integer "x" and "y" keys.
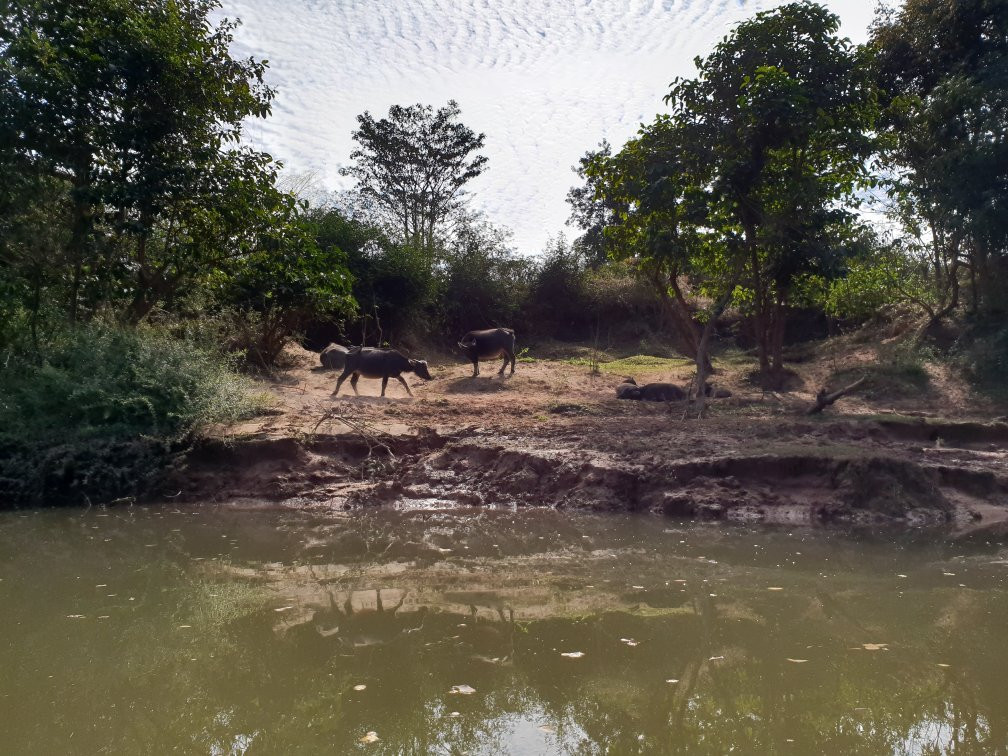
{"x": 824, "y": 400}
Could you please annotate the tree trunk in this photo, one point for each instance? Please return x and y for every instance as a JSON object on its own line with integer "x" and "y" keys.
{"x": 760, "y": 314}
{"x": 80, "y": 227}
{"x": 686, "y": 331}
{"x": 777, "y": 335}
{"x": 703, "y": 364}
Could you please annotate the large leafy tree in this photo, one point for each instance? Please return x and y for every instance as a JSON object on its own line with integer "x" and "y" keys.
{"x": 133, "y": 108}
{"x": 415, "y": 164}
{"x": 741, "y": 189}
{"x": 593, "y": 208}
{"x": 642, "y": 205}
{"x": 943, "y": 69}
{"x": 779, "y": 117}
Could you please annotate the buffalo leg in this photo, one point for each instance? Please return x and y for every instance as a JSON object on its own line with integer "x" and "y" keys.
{"x": 512, "y": 362}
{"x": 475, "y": 367}
{"x": 405, "y": 385}
{"x": 501, "y": 371}
{"x": 384, "y": 383}
{"x": 353, "y": 384}
{"x": 343, "y": 378}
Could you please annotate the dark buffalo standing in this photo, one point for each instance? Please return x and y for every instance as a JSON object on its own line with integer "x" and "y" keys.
{"x": 650, "y": 392}
{"x": 380, "y": 363}
{"x": 333, "y": 357}
{"x": 487, "y": 345}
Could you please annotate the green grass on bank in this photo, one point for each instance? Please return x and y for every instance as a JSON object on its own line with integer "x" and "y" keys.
{"x": 634, "y": 363}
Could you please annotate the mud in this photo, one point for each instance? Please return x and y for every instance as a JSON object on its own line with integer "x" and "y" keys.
{"x": 556, "y": 436}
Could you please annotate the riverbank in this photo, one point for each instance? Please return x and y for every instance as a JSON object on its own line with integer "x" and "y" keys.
{"x": 555, "y": 435}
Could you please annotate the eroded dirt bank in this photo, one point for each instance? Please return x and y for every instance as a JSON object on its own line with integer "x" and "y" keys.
{"x": 555, "y": 436}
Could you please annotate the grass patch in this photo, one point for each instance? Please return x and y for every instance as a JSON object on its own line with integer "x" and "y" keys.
{"x": 735, "y": 358}
{"x": 573, "y": 408}
{"x": 630, "y": 364}
{"x": 885, "y": 381}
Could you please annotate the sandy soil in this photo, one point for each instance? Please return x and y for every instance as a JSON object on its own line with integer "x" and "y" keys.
{"x": 555, "y": 435}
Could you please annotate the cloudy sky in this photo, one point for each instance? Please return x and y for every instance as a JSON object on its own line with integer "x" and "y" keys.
{"x": 545, "y": 80}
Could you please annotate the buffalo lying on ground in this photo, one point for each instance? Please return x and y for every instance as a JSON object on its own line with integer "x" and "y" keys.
{"x": 380, "y": 363}
{"x": 488, "y": 345}
{"x": 333, "y": 357}
{"x": 662, "y": 392}
{"x": 650, "y": 392}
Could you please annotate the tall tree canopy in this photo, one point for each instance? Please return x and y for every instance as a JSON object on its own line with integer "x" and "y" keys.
{"x": 742, "y": 188}
{"x": 943, "y": 69}
{"x": 415, "y": 164}
{"x": 124, "y": 117}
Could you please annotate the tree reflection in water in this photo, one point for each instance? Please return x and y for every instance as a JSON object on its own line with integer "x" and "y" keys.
{"x": 694, "y": 639}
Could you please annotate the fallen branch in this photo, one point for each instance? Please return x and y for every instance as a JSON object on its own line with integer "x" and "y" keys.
{"x": 824, "y": 400}
{"x": 370, "y": 435}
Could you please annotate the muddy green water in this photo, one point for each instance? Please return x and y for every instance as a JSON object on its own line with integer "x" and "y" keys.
{"x": 222, "y": 632}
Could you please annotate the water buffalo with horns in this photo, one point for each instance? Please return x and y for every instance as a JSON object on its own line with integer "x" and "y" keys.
{"x": 333, "y": 357}
{"x": 488, "y": 345}
{"x": 380, "y": 363}
{"x": 650, "y": 392}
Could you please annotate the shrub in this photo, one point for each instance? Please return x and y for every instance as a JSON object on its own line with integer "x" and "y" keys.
{"x": 558, "y": 297}
{"x": 982, "y": 353}
{"x": 482, "y": 282}
{"x": 100, "y": 415}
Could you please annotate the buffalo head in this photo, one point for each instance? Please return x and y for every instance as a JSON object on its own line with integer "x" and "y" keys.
{"x": 420, "y": 368}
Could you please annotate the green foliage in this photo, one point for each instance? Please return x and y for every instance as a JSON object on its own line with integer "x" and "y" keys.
{"x": 284, "y": 281}
{"x": 481, "y": 281}
{"x": 744, "y": 189}
{"x": 123, "y": 112}
{"x": 414, "y": 165}
{"x": 592, "y": 207}
{"x": 99, "y": 415}
{"x": 876, "y": 279}
{"x": 558, "y": 296}
{"x": 776, "y": 123}
{"x": 942, "y": 68}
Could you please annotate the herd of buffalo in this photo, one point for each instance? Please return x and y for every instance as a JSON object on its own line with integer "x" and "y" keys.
{"x": 489, "y": 344}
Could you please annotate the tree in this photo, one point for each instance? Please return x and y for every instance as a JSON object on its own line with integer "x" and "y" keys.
{"x": 415, "y": 165}
{"x": 592, "y": 207}
{"x": 286, "y": 278}
{"x": 131, "y": 106}
{"x": 777, "y": 122}
{"x": 646, "y": 204}
{"x": 482, "y": 282}
{"x": 739, "y": 191}
{"x": 943, "y": 70}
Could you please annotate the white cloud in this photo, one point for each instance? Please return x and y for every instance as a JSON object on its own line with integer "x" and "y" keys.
{"x": 544, "y": 79}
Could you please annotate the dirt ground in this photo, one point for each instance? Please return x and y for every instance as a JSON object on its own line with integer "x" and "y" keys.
{"x": 554, "y": 434}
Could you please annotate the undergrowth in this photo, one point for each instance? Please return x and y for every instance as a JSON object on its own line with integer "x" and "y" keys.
{"x": 100, "y": 414}
{"x": 899, "y": 373}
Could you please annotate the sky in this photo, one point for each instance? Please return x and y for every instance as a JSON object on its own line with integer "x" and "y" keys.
{"x": 545, "y": 80}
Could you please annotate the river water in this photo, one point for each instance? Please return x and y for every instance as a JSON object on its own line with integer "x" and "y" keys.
{"x": 225, "y": 632}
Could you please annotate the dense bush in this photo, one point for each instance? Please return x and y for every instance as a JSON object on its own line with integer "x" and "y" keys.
{"x": 558, "y": 297}
{"x": 983, "y": 355}
{"x": 482, "y": 283}
{"x": 99, "y": 416}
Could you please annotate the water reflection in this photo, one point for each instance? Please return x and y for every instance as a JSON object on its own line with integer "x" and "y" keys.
{"x": 233, "y": 632}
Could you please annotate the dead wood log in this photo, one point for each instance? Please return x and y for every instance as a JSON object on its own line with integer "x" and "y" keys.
{"x": 824, "y": 400}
